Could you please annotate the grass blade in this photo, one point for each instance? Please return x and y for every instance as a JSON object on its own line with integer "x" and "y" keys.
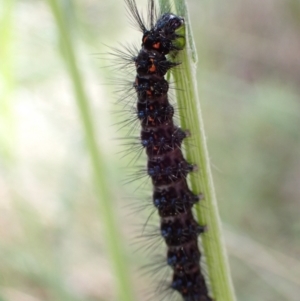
{"x": 191, "y": 119}
{"x": 113, "y": 239}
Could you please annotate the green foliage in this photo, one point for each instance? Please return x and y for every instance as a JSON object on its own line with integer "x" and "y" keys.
{"x": 202, "y": 182}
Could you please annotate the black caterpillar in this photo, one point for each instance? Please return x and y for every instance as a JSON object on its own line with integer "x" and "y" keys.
{"x": 162, "y": 141}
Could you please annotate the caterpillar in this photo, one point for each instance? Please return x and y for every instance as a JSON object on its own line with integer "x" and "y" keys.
{"x": 162, "y": 140}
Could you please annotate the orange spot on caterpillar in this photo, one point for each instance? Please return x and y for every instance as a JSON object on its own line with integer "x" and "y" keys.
{"x": 153, "y": 67}
{"x": 156, "y": 45}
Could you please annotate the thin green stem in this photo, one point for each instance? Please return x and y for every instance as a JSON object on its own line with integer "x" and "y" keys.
{"x": 201, "y": 181}
{"x": 113, "y": 238}
{"x": 7, "y": 122}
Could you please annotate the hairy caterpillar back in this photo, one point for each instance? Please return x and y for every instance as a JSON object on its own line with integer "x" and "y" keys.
{"x": 162, "y": 139}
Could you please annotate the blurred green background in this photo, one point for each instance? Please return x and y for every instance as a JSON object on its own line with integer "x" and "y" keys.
{"x": 52, "y": 238}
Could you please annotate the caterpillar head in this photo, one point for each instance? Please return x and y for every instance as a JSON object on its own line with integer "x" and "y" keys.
{"x": 168, "y": 34}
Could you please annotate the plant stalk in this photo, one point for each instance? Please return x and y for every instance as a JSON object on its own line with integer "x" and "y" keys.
{"x": 201, "y": 181}
{"x": 104, "y": 197}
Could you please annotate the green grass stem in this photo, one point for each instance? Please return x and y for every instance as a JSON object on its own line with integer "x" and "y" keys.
{"x": 7, "y": 81}
{"x": 113, "y": 238}
{"x": 197, "y": 153}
